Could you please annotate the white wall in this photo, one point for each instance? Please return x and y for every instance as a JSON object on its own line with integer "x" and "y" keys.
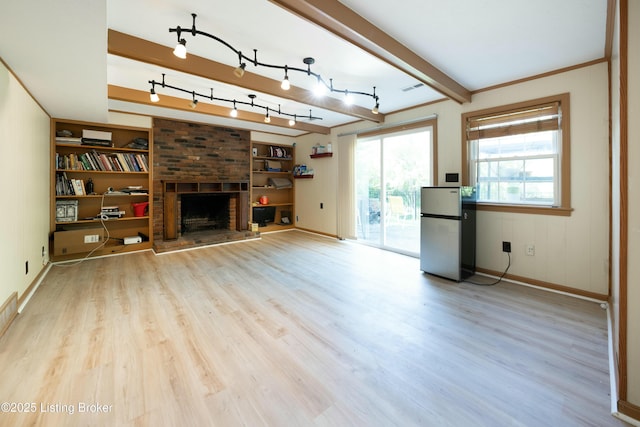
{"x": 24, "y": 177}
{"x": 570, "y": 251}
{"x": 322, "y": 189}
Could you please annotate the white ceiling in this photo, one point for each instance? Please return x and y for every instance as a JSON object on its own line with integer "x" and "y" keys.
{"x": 59, "y": 49}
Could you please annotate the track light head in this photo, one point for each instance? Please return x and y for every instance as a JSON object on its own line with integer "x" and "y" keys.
{"x": 193, "y": 104}
{"x": 267, "y": 118}
{"x": 181, "y": 49}
{"x": 292, "y": 122}
{"x": 376, "y": 109}
{"x": 239, "y": 71}
{"x": 320, "y": 88}
{"x": 347, "y": 98}
{"x": 234, "y": 110}
{"x": 153, "y": 95}
{"x": 285, "y": 85}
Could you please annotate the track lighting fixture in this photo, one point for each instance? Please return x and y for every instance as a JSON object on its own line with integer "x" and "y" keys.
{"x": 292, "y": 122}
{"x": 321, "y": 85}
{"x": 234, "y": 111}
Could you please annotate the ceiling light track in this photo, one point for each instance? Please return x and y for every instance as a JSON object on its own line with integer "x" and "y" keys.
{"x": 234, "y": 111}
{"x": 321, "y": 85}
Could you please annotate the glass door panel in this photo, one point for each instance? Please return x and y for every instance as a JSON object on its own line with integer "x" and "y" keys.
{"x": 389, "y": 173}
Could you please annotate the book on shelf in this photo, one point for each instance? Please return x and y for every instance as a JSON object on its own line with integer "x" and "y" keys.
{"x": 78, "y": 187}
{"x": 68, "y": 140}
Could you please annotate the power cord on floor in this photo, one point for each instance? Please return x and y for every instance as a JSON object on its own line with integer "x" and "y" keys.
{"x": 497, "y": 281}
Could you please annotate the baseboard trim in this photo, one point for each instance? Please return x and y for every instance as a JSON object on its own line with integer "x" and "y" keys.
{"x": 628, "y": 412}
{"x": 8, "y": 312}
{"x": 307, "y": 230}
{"x": 547, "y": 285}
{"x": 28, "y": 293}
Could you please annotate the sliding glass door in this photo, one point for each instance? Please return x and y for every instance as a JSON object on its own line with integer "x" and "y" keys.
{"x": 389, "y": 170}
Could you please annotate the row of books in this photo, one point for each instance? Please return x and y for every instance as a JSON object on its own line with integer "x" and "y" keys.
{"x": 94, "y": 161}
{"x": 69, "y": 186}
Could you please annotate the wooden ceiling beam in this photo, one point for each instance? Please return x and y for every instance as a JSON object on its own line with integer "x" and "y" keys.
{"x": 120, "y": 93}
{"x": 348, "y": 25}
{"x": 138, "y": 49}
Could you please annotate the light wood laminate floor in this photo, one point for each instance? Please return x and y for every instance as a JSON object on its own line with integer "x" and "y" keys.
{"x": 296, "y": 329}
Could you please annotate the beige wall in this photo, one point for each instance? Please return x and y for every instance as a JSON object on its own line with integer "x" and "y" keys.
{"x": 633, "y": 277}
{"x": 570, "y": 251}
{"x": 24, "y": 176}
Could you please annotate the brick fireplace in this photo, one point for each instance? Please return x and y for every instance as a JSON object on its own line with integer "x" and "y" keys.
{"x": 198, "y": 160}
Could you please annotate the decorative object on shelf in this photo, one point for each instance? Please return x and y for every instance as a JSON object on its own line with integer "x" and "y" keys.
{"x": 280, "y": 183}
{"x": 302, "y": 171}
{"x": 281, "y": 152}
{"x": 321, "y": 86}
{"x": 263, "y": 200}
{"x": 234, "y": 111}
{"x": 88, "y": 186}
{"x": 272, "y": 166}
{"x": 66, "y": 210}
{"x": 139, "y": 209}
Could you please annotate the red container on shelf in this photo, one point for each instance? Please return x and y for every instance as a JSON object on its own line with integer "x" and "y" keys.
{"x": 139, "y": 208}
{"x": 264, "y": 200}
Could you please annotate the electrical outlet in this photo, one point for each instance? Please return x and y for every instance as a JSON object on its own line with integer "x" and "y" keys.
{"x": 530, "y": 250}
{"x": 506, "y": 246}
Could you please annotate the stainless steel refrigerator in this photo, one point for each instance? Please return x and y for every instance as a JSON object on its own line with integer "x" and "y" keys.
{"x": 448, "y": 232}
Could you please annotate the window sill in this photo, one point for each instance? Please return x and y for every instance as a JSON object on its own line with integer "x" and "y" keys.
{"x": 524, "y": 209}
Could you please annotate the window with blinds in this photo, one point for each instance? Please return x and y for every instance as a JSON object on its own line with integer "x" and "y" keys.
{"x": 515, "y": 155}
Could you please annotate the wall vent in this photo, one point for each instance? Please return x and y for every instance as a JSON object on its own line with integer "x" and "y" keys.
{"x": 8, "y": 312}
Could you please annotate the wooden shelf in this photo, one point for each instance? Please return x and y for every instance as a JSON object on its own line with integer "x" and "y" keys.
{"x": 273, "y": 204}
{"x": 317, "y": 156}
{"x": 89, "y": 206}
{"x": 100, "y": 148}
{"x": 100, "y": 172}
{"x": 93, "y": 221}
{"x": 272, "y": 158}
{"x": 303, "y": 176}
{"x": 281, "y": 198}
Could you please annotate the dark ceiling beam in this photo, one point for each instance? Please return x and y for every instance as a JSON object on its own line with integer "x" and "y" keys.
{"x": 138, "y": 49}
{"x": 120, "y": 93}
{"x": 348, "y": 25}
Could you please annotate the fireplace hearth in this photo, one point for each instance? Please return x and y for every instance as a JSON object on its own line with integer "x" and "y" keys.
{"x": 204, "y": 213}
